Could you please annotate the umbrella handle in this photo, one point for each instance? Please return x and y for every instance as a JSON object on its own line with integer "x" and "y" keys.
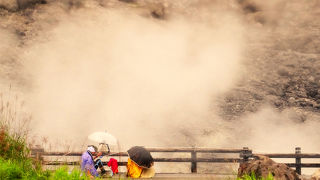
{"x": 108, "y": 149}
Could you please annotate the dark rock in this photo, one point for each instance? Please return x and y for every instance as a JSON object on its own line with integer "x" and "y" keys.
{"x": 291, "y": 65}
{"x": 276, "y": 91}
{"x": 22, "y": 4}
{"x": 257, "y": 96}
{"x": 305, "y": 102}
{"x": 317, "y": 106}
{"x": 128, "y": 1}
{"x": 278, "y": 103}
{"x": 75, "y": 4}
{"x": 249, "y": 6}
{"x": 302, "y": 93}
{"x": 159, "y": 11}
{"x": 312, "y": 93}
{"x": 283, "y": 72}
{"x": 21, "y": 33}
{"x": 14, "y": 5}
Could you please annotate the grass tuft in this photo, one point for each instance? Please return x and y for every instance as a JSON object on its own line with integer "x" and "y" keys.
{"x": 253, "y": 176}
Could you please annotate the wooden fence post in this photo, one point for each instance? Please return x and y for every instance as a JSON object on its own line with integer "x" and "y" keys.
{"x": 193, "y": 162}
{"x": 298, "y": 160}
{"x": 37, "y": 152}
{"x": 245, "y": 154}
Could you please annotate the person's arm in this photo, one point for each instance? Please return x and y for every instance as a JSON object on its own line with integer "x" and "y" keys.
{"x": 97, "y": 155}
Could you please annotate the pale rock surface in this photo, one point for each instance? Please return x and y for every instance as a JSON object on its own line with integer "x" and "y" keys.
{"x": 316, "y": 175}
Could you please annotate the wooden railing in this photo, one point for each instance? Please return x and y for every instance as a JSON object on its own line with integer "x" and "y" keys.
{"x": 297, "y": 156}
{"x": 244, "y": 155}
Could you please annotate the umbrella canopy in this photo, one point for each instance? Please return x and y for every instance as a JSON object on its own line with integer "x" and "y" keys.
{"x": 141, "y": 156}
{"x": 103, "y": 137}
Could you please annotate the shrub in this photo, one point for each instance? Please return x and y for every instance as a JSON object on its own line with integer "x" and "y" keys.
{"x": 13, "y": 169}
{"x": 15, "y": 162}
{"x": 254, "y": 177}
{"x": 63, "y": 173}
{"x": 12, "y": 147}
{"x": 14, "y": 128}
{"x": 10, "y": 170}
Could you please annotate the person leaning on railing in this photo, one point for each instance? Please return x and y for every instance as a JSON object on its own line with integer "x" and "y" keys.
{"x": 88, "y": 163}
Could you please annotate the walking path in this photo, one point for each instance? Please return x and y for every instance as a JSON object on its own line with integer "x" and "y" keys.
{"x": 163, "y": 176}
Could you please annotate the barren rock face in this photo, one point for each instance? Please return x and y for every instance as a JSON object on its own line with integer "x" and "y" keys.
{"x": 25, "y": 3}
{"x": 14, "y": 5}
{"x": 9, "y": 4}
{"x": 263, "y": 165}
{"x": 283, "y": 67}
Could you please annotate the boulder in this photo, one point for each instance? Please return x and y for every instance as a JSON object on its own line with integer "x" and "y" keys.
{"x": 263, "y": 165}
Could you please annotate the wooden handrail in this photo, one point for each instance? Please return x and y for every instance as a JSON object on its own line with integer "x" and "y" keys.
{"x": 305, "y": 165}
{"x": 55, "y": 163}
{"x": 164, "y": 150}
{"x": 80, "y": 153}
{"x": 216, "y": 160}
{"x": 244, "y": 155}
{"x": 273, "y": 155}
{"x": 200, "y": 150}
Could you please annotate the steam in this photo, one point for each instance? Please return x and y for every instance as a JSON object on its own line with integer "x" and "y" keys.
{"x": 135, "y": 77}
{"x": 272, "y": 131}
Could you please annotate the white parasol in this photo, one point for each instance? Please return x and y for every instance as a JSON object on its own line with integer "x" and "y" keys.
{"x": 103, "y": 137}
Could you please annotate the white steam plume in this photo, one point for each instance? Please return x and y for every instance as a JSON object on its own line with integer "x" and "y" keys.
{"x": 137, "y": 78}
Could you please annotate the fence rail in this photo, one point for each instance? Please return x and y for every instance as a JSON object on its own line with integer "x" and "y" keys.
{"x": 245, "y": 154}
{"x": 313, "y": 156}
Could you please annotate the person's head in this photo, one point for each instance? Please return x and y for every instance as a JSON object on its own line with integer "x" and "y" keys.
{"x": 92, "y": 149}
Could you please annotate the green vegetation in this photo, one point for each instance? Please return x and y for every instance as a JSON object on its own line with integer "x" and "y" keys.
{"x": 10, "y": 169}
{"x": 63, "y": 173}
{"x": 15, "y": 162}
{"x": 254, "y": 177}
{"x": 12, "y": 147}
{"x": 13, "y": 169}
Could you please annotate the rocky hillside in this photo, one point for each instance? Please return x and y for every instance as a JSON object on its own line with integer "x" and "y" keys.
{"x": 281, "y": 62}
{"x": 282, "y": 65}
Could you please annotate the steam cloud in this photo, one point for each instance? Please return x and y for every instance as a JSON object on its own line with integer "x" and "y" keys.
{"x": 140, "y": 79}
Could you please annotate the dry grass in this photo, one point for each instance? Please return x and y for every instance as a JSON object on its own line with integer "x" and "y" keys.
{"x": 14, "y": 128}
{"x": 12, "y": 117}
